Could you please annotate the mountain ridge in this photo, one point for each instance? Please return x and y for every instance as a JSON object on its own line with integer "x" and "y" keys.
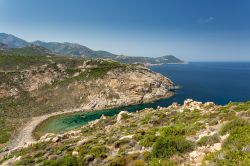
{"x": 74, "y": 49}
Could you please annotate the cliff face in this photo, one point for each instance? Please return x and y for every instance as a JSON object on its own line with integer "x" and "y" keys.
{"x": 120, "y": 86}
{"x": 90, "y": 85}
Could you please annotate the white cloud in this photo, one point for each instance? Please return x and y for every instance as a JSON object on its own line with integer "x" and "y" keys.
{"x": 207, "y": 20}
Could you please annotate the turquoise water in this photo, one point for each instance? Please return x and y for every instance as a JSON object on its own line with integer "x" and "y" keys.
{"x": 217, "y": 82}
{"x": 71, "y": 121}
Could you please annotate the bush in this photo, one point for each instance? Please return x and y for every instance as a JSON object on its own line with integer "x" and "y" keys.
{"x": 121, "y": 142}
{"x": 227, "y": 157}
{"x": 173, "y": 130}
{"x": 161, "y": 162}
{"x": 235, "y": 150}
{"x": 118, "y": 161}
{"x": 166, "y": 147}
{"x": 148, "y": 140}
{"x": 238, "y": 138}
{"x": 233, "y": 125}
{"x": 209, "y": 140}
{"x": 99, "y": 151}
{"x": 138, "y": 163}
{"x": 67, "y": 161}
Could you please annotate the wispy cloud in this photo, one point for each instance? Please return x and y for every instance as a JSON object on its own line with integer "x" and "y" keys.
{"x": 206, "y": 20}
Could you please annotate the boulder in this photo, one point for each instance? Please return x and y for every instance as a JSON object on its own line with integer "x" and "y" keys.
{"x": 120, "y": 116}
{"x": 75, "y": 153}
{"x": 56, "y": 139}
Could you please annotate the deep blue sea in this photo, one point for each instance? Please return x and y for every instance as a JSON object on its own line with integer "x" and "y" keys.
{"x": 219, "y": 82}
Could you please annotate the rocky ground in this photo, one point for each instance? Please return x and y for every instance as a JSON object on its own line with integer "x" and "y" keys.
{"x": 194, "y": 133}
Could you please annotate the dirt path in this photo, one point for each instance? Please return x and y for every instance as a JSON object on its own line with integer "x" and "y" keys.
{"x": 25, "y": 135}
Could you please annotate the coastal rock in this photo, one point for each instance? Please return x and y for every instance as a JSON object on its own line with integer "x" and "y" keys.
{"x": 56, "y": 139}
{"x": 119, "y": 88}
{"x": 126, "y": 137}
{"x": 121, "y": 115}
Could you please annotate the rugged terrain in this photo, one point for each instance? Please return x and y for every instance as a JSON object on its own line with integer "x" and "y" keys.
{"x": 191, "y": 134}
{"x": 35, "y": 82}
{"x": 73, "y": 49}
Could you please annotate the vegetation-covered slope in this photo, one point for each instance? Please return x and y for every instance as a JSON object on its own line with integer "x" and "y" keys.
{"x": 191, "y": 134}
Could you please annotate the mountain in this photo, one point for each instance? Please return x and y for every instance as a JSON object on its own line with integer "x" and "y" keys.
{"x": 30, "y": 50}
{"x": 12, "y": 41}
{"x": 3, "y": 47}
{"x": 73, "y": 49}
{"x": 79, "y": 50}
{"x": 149, "y": 60}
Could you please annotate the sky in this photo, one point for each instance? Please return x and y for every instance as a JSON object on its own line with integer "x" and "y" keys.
{"x": 193, "y": 30}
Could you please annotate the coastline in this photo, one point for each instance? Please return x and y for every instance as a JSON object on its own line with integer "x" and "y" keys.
{"x": 25, "y": 135}
{"x": 159, "y": 64}
{"x": 36, "y": 129}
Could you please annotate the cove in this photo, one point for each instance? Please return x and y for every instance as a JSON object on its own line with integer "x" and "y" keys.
{"x": 66, "y": 122}
{"x": 219, "y": 82}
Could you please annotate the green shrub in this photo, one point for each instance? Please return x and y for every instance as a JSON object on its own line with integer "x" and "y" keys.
{"x": 173, "y": 130}
{"x": 118, "y": 161}
{"x": 67, "y": 161}
{"x": 50, "y": 163}
{"x": 227, "y": 158}
{"x": 236, "y": 149}
{"x": 148, "y": 140}
{"x": 167, "y": 146}
{"x": 192, "y": 128}
{"x": 209, "y": 140}
{"x": 119, "y": 143}
{"x": 161, "y": 162}
{"x": 139, "y": 135}
{"x": 238, "y": 138}
{"x": 138, "y": 163}
{"x": 99, "y": 151}
{"x": 4, "y": 135}
{"x": 232, "y": 125}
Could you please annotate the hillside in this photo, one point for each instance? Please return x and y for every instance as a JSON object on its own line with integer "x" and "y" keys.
{"x": 37, "y": 85}
{"x": 72, "y": 49}
{"x": 3, "y": 47}
{"x": 12, "y": 41}
{"x": 191, "y": 134}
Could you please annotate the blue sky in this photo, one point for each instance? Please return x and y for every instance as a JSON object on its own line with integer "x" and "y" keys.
{"x": 194, "y": 30}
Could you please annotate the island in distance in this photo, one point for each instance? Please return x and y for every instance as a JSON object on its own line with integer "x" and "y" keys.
{"x": 72, "y": 49}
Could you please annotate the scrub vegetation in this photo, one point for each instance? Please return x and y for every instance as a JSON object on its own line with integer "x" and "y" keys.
{"x": 163, "y": 136}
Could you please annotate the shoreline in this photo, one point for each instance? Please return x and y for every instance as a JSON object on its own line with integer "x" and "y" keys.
{"x": 25, "y": 136}
{"x": 159, "y": 64}
{"x": 169, "y": 95}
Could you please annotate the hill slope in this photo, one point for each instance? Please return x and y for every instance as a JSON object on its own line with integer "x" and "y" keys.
{"x": 191, "y": 134}
{"x": 12, "y": 41}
